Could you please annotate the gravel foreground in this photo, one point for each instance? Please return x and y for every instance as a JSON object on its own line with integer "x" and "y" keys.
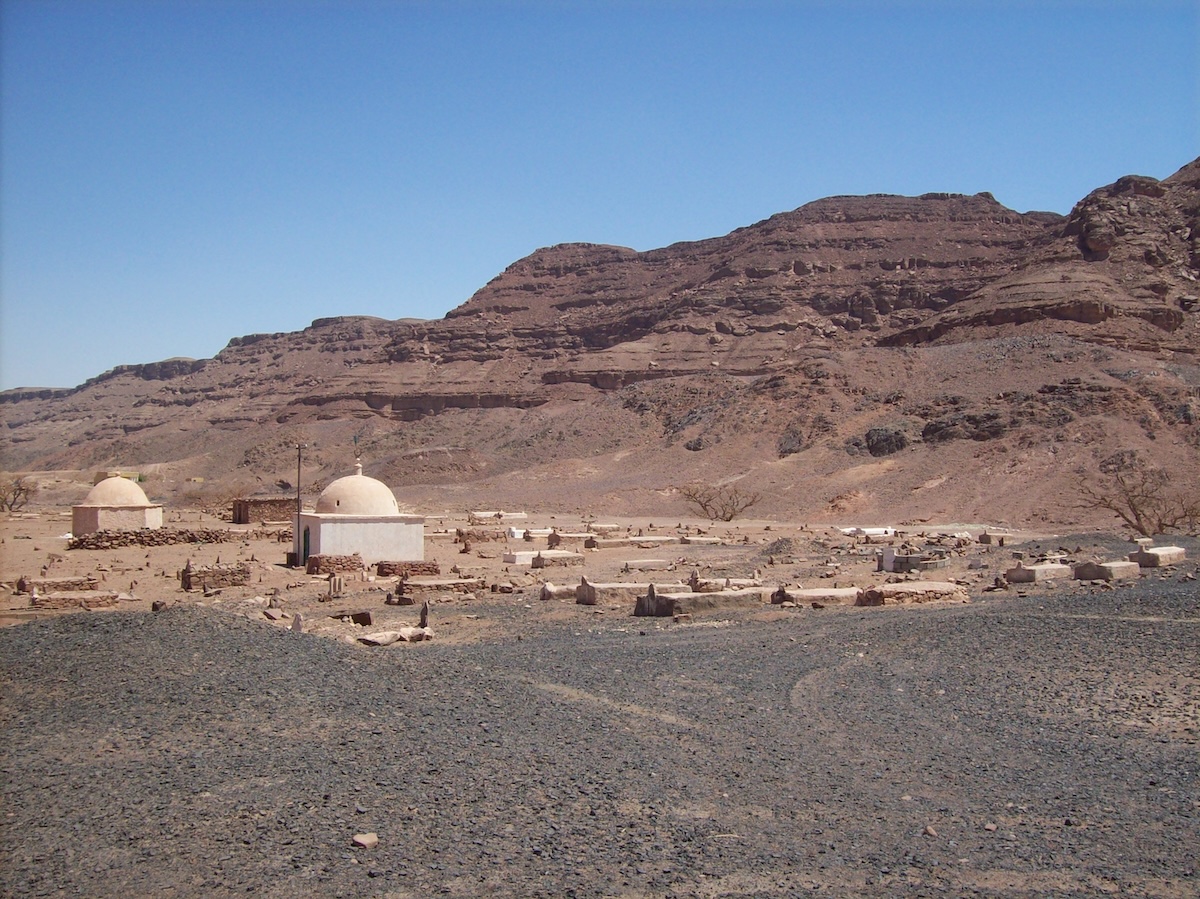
{"x": 1039, "y": 746}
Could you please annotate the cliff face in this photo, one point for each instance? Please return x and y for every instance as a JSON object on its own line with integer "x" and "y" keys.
{"x": 842, "y": 264}
{"x": 836, "y": 356}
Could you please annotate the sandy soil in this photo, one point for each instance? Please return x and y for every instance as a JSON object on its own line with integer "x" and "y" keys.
{"x": 34, "y": 544}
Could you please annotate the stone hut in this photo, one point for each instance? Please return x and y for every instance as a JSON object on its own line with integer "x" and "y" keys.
{"x": 252, "y": 509}
{"x": 358, "y": 514}
{"x": 115, "y": 504}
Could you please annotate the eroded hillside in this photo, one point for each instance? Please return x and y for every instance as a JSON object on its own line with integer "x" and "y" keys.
{"x": 860, "y": 356}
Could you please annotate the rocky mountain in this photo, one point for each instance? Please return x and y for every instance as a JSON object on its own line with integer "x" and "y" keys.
{"x": 884, "y": 357}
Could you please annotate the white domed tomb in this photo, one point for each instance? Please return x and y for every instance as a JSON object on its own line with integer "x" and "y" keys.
{"x": 115, "y": 504}
{"x": 358, "y": 514}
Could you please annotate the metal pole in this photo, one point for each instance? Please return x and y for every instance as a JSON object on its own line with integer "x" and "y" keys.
{"x": 300, "y": 447}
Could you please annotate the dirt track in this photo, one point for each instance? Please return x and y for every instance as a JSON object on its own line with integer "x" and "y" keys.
{"x": 1012, "y": 747}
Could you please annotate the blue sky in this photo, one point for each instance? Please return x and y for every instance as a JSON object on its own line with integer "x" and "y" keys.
{"x": 174, "y": 174}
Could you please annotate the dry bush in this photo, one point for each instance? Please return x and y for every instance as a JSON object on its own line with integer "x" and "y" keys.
{"x": 719, "y": 503}
{"x": 16, "y": 492}
{"x": 1146, "y": 498}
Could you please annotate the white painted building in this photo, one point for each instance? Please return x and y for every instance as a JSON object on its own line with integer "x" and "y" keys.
{"x": 358, "y": 514}
{"x": 115, "y": 504}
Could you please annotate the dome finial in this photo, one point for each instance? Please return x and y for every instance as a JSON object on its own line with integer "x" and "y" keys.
{"x": 358, "y": 466}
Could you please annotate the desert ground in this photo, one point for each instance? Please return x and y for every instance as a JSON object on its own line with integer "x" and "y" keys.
{"x": 799, "y": 554}
{"x": 1036, "y": 740}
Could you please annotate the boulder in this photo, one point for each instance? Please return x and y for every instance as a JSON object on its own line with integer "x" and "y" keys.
{"x": 363, "y": 618}
{"x": 885, "y": 441}
{"x": 984, "y": 425}
{"x": 403, "y": 635}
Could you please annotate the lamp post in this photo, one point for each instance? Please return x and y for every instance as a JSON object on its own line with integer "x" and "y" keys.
{"x": 300, "y": 447}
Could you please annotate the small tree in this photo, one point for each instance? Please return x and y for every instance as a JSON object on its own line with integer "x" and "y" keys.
{"x": 719, "y": 503}
{"x": 1141, "y": 495}
{"x": 16, "y": 492}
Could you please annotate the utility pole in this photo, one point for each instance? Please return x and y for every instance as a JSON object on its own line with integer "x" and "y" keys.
{"x": 300, "y": 447}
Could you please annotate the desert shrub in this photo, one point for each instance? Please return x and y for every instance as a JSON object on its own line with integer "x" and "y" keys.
{"x": 1143, "y": 496}
{"x": 719, "y": 503}
{"x": 16, "y": 492}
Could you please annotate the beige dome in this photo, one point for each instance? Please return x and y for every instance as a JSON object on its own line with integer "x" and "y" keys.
{"x": 357, "y": 494}
{"x": 116, "y": 492}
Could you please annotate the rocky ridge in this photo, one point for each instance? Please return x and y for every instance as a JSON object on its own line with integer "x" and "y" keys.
{"x": 944, "y": 336}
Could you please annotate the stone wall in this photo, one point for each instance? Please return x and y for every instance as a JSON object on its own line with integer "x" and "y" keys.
{"x": 170, "y": 536}
{"x": 408, "y": 569}
{"x": 56, "y": 584}
{"x": 331, "y": 564}
{"x": 211, "y": 577}
{"x": 78, "y": 599}
{"x": 254, "y": 509}
{"x": 478, "y": 535}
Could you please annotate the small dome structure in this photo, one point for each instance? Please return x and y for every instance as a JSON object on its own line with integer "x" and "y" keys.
{"x": 357, "y": 515}
{"x": 115, "y": 504}
{"x": 116, "y": 491}
{"x": 357, "y": 494}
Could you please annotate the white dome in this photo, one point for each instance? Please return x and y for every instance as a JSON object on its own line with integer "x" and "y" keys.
{"x": 357, "y": 494}
{"x": 116, "y": 492}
